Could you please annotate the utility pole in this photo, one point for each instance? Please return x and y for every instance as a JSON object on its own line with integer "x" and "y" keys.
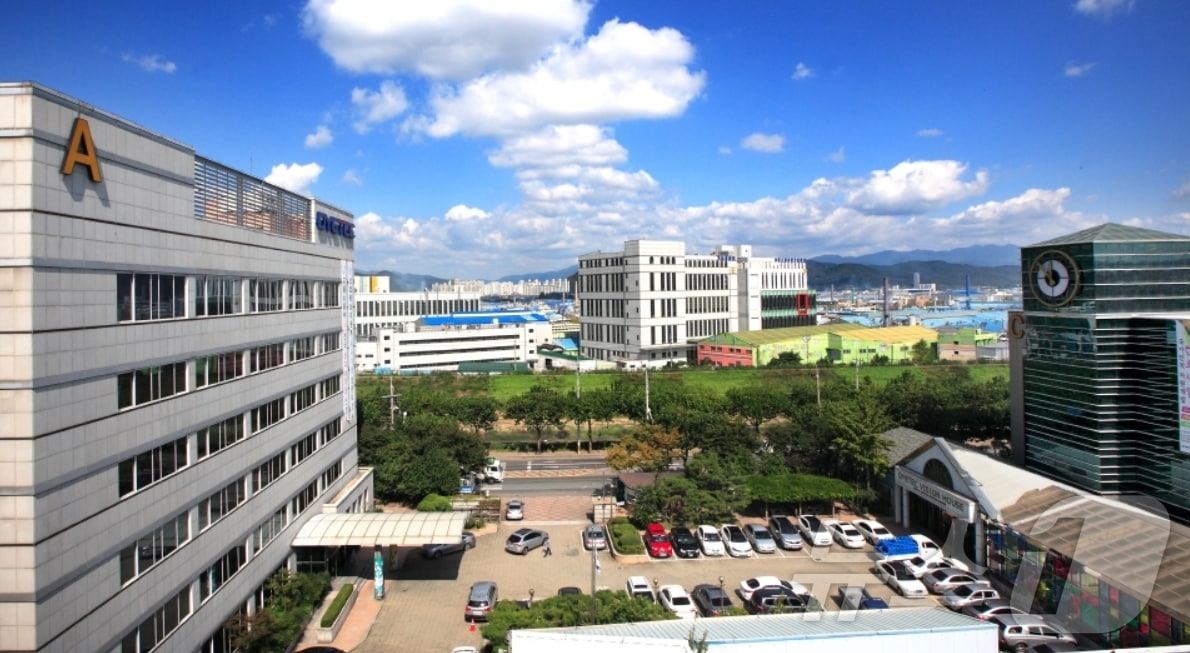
{"x": 393, "y": 406}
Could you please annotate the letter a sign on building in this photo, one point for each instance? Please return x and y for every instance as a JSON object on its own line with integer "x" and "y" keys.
{"x": 82, "y": 151}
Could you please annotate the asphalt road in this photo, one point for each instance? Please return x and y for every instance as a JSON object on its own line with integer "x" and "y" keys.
{"x": 559, "y": 486}
{"x": 544, "y": 463}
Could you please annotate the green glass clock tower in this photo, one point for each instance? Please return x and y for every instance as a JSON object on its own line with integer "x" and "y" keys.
{"x": 1095, "y": 376}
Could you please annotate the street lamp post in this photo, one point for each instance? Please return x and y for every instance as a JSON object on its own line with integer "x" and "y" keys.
{"x": 530, "y": 597}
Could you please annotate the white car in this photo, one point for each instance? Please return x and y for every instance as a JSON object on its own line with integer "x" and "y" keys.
{"x": 895, "y": 575}
{"x": 921, "y": 566}
{"x": 639, "y": 586}
{"x": 747, "y": 587}
{"x": 941, "y": 581}
{"x": 845, "y": 534}
{"x": 965, "y": 595}
{"x": 736, "y": 542}
{"x": 677, "y": 600}
{"x": 814, "y": 531}
{"x": 709, "y": 541}
{"x": 872, "y": 530}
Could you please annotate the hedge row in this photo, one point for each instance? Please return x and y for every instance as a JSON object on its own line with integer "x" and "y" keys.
{"x": 625, "y": 537}
{"x": 336, "y": 606}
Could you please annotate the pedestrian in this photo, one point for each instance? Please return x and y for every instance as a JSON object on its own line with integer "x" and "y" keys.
{"x": 546, "y": 546}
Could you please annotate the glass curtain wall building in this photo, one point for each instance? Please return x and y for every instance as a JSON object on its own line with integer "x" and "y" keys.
{"x": 1098, "y": 382}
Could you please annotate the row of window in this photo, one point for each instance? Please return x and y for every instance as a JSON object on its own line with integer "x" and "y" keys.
{"x": 142, "y": 297}
{"x": 153, "y": 547}
{"x": 712, "y": 281}
{"x": 368, "y": 307}
{"x": 696, "y": 305}
{"x": 143, "y": 386}
{"x": 601, "y": 262}
{"x": 610, "y": 282}
{"x": 269, "y": 530}
{"x": 668, "y": 334}
{"x": 669, "y": 308}
{"x": 157, "y": 627}
{"x": 149, "y": 467}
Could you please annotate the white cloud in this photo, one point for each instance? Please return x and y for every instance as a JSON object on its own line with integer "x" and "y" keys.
{"x": 556, "y": 145}
{"x": 1182, "y": 192}
{"x": 723, "y": 149}
{"x": 375, "y": 107}
{"x": 915, "y": 187}
{"x": 444, "y": 39}
{"x": 152, "y": 63}
{"x": 802, "y": 71}
{"x": 320, "y": 138}
{"x": 295, "y": 177}
{"x": 461, "y": 213}
{"x": 1104, "y": 9}
{"x": 758, "y": 142}
{"x": 623, "y": 72}
{"x": 930, "y": 133}
{"x": 1074, "y": 69}
{"x": 838, "y": 156}
{"x": 351, "y": 178}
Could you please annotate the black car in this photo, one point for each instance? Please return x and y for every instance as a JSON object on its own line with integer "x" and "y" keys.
{"x": 770, "y": 600}
{"x": 684, "y": 542}
{"x": 711, "y": 600}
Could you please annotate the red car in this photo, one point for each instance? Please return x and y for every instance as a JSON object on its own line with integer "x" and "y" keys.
{"x": 657, "y": 541}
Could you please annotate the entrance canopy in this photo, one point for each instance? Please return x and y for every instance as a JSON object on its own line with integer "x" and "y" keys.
{"x": 381, "y": 528}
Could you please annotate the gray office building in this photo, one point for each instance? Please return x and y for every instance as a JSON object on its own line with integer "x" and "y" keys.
{"x": 175, "y": 381}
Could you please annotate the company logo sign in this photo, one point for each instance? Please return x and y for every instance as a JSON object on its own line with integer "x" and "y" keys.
{"x": 333, "y": 225}
{"x": 81, "y": 151}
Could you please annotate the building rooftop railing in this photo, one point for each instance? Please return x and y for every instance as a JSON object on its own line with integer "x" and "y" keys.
{"x": 231, "y": 197}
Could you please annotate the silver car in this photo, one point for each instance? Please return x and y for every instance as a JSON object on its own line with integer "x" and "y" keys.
{"x": 760, "y": 537}
{"x": 466, "y": 541}
{"x": 786, "y": 534}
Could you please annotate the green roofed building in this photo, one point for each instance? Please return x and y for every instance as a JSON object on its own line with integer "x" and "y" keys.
{"x": 842, "y": 343}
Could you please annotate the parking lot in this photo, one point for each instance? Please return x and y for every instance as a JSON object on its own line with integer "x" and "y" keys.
{"x": 424, "y": 607}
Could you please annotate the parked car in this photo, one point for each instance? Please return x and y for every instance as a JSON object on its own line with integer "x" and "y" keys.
{"x": 845, "y": 534}
{"x": 524, "y": 540}
{"x": 594, "y": 537}
{"x": 895, "y": 575}
{"x": 872, "y": 530}
{"x": 859, "y": 598}
{"x": 907, "y": 547}
{"x": 466, "y": 541}
{"x": 751, "y": 585}
{"x": 480, "y": 600}
{"x": 677, "y": 600}
{"x": 941, "y": 581}
{"x": 785, "y": 533}
{"x": 570, "y": 590}
{"x": 639, "y": 586}
{"x": 711, "y": 600}
{"x": 736, "y": 542}
{"x": 514, "y": 510}
{"x": 777, "y": 599}
{"x": 970, "y": 594}
{"x": 814, "y": 531}
{"x": 987, "y": 609}
{"x": 710, "y": 541}
{"x": 760, "y": 538}
{"x": 685, "y": 545}
{"x": 657, "y": 541}
{"x": 921, "y": 566}
{"x": 1020, "y": 631}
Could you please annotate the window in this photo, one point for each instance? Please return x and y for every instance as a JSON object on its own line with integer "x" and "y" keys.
{"x": 301, "y": 294}
{"x": 153, "y": 547}
{"x": 216, "y": 506}
{"x": 328, "y": 432}
{"x": 218, "y": 296}
{"x": 224, "y": 568}
{"x": 218, "y": 368}
{"x": 143, "y": 297}
{"x": 329, "y": 387}
{"x": 268, "y": 530}
{"x": 217, "y": 436}
{"x": 328, "y": 292}
{"x": 150, "y": 384}
{"x": 267, "y": 414}
{"x": 301, "y": 348}
{"x": 270, "y": 471}
{"x": 305, "y": 498}
{"x": 303, "y": 448}
{"x": 266, "y": 295}
{"x": 302, "y": 399}
{"x": 151, "y": 466}
{"x": 267, "y": 357}
{"x": 332, "y": 474}
{"x": 156, "y": 628}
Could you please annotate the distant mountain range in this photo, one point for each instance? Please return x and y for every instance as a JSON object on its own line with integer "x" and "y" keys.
{"x": 997, "y": 266}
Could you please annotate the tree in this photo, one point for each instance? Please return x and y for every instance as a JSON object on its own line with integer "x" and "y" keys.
{"x": 756, "y": 404}
{"x": 924, "y": 352}
{"x": 560, "y": 611}
{"x": 649, "y": 448}
{"x": 579, "y": 410}
{"x": 539, "y": 408}
{"x": 679, "y": 500}
{"x": 858, "y": 439}
{"x": 476, "y": 411}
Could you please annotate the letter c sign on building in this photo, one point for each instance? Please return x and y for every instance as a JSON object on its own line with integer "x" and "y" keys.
{"x": 81, "y": 150}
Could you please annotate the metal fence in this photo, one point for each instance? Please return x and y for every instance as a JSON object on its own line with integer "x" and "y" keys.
{"x": 225, "y": 195}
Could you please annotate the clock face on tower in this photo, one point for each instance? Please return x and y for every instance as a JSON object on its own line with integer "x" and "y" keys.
{"x": 1054, "y": 278}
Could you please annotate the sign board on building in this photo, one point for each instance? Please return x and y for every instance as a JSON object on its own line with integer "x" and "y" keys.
{"x": 945, "y": 498}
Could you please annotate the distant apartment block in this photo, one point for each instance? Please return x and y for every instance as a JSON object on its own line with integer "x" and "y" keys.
{"x": 649, "y": 304}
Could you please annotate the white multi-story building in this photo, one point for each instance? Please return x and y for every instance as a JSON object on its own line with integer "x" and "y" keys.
{"x": 444, "y": 342}
{"x": 377, "y": 308}
{"x": 175, "y": 376}
{"x": 647, "y": 304}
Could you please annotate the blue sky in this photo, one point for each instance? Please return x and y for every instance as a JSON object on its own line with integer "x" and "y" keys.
{"x": 478, "y": 139}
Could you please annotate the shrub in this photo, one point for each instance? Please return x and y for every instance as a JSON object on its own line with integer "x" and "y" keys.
{"x": 625, "y": 537}
{"x": 336, "y": 606}
{"x": 434, "y": 503}
{"x": 473, "y": 523}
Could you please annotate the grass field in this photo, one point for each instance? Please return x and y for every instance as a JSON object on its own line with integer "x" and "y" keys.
{"x": 504, "y": 387}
